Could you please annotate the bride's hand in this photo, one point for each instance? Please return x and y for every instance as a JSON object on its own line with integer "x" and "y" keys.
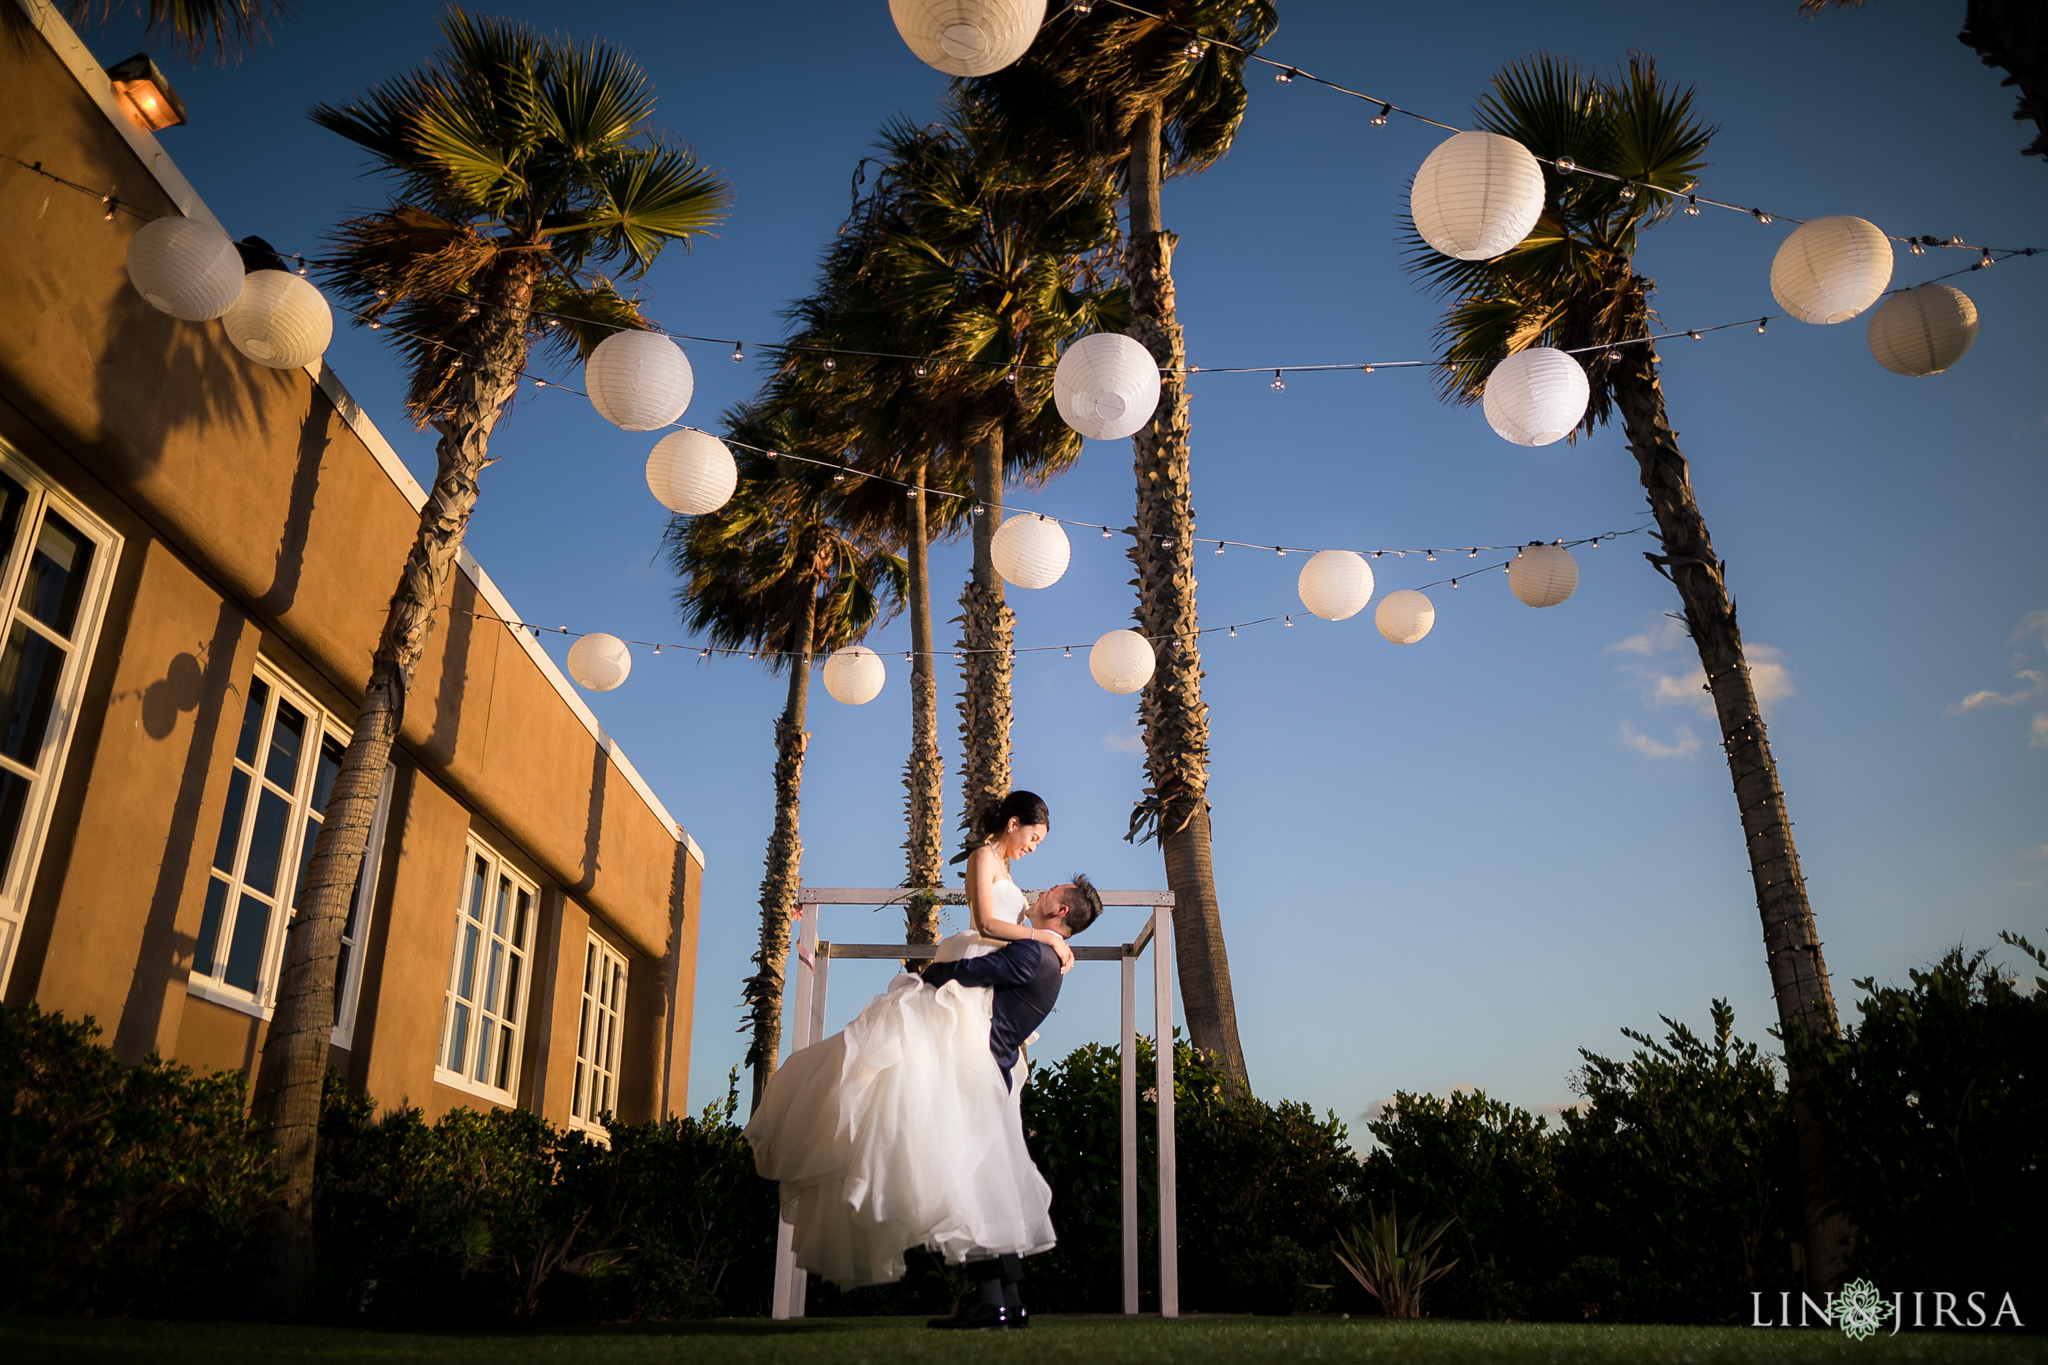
{"x": 1058, "y": 945}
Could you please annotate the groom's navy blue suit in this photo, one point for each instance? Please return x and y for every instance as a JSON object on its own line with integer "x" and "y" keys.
{"x": 1026, "y": 979}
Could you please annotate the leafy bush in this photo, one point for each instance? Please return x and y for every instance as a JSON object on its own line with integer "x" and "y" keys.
{"x": 1936, "y": 1104}
{"x": 124, "y": 1189}
{"x": 497, "y": 1214}
{"x": 1263, "y": 1188}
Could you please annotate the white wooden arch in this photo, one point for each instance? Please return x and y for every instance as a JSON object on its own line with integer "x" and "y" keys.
{"x": 811, "y": 958}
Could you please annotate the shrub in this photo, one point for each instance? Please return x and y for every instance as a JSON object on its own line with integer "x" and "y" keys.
{"x": 125, "y": 1189}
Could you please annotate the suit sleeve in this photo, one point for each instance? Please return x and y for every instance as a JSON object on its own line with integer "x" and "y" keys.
{"x": 1012, "y": 966}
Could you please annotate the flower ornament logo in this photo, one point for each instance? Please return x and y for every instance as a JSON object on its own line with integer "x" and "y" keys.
{"x": 1860, "y": 1310}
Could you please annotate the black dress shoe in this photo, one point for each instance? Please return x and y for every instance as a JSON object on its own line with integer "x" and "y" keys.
{"x": 978, "y": 1317}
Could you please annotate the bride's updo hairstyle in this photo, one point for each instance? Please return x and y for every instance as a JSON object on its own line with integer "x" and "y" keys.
{"x": 1024, "y": 807}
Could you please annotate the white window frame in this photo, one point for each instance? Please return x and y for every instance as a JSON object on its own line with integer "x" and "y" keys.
{"x": 321, "y": 727}
{"x": 18, "y": 878}
{"x": 600, "y": 1022}
{"x": 489, "y": 947}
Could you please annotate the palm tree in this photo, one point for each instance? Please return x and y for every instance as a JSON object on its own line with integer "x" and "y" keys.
{"x": 771, "y": 572}
{"x": 1573, "y": 284}
{"x": 229, "y": 27}
{"x": 1151, "y": 97}
{"x": 521, "y": 163}
{"x": 966, "y": 250}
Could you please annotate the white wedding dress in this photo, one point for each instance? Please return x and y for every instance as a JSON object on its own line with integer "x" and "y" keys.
{"x": 899, "y": 1132}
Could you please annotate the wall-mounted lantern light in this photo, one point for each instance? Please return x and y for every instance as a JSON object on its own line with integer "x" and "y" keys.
{"x": 148, "y": 96}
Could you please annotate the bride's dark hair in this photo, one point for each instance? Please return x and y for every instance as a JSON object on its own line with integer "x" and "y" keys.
{"x": 1024, "y": 807}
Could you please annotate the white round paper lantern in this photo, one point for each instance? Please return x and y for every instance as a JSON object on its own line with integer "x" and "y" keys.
{"x": 638, "y": 380}
{"x": 1535, "y": 397}
{"x": 1335, "y": 584}
{"x": 1122, "y": 661}
{"x": 1543, "y": 575}
{"x": 855, "y": 675}
{"x": 1404, "y": 616}
{"x": 691, "y": 472}
{"x": 1106, "y": 386}
{"x": 1030, "y": 551}
{"x": 279, "y": 320}
{"x": 1831, "y": 269}
{"x": 1476, "y": 196}
{"x": 968, "y": 37}
{"x": 600, "y": 662}
{"x": 186, "y": 267}
{"x": 1924, "y": 330}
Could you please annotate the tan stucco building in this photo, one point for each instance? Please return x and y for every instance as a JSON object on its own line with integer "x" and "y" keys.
{"x": 197, "y": 552}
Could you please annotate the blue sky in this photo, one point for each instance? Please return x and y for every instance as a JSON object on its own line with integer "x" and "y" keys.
{"x": 1451, "y": 863}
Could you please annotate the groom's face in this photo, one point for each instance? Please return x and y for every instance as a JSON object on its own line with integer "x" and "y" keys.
{"x": 1049, "y": 911}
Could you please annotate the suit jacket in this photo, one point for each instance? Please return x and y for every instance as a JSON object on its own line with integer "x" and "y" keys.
{"x": 1026, "y": 978}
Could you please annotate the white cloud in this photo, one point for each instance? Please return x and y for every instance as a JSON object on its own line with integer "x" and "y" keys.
{"x": 2032, "y": 626}
{"x": 2035, "y": 682}
{"x": 1684, "y": 684}
{"x": 1124, "y": 742}
{"x": 2036, "y": 855}
{"x": 2037, "y": 738}
{"x": 1684, "y": 743}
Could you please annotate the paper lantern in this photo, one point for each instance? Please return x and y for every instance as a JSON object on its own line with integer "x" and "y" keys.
{"x": 1923, "y": 331}
{"x": 1476, "y": 196}
{"x": 638, "y": 380}
{"x": 279, "y": 320}
{"x": 1106, "y": 386}
{"x": 186, "y": 267}
{"x": 968, "y": 37}
{"x": 1030, "y": 551}
{"x": 1405, "y": 616}
{"x": 1831, "y": 269}
{"x": 855, "y": 675}
{"x": 1122, "y": 661}
{"x": 1543, "y": 575}
{"x": 1335, "y": 584}
{"x": 691, "y": 472}
{"x": 1535, "y": 397}
{"x": 600, "y": 662}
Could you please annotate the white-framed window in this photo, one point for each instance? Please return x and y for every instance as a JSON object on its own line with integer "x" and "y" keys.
{"x": 597, "y": 1034}
{"x": 485, "y": 1004}
{"x": 56, "y": 568}
{"x": 287, "y": 755}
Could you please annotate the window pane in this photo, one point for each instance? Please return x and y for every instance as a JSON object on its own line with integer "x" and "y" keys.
{"x": 504, "y": 1080}
{"x": 492, "y": 975}
{"x": 458, "y": 1037}
{"x": 576, "y": 1095}
{"x": 465, "y": 978}
{"x": 13, "y": 497}
{"x": 340, "y": 982}
{"x": 504, "y": 904}
{"x": 13, "y": 801}
{"x": 245, "y": 956}
{"x": 485, "y": 1026}
{"x": 266, "y": 842}
{"x": 252, "y": 721}
{"x": 231, "y": 822}
{"x": 28, "y": 680}
{"x": 56, "y": 574}
{"x": 480, "y": 878}
{"x": 331, "y": 751}
{"x": 305, "y": 858}
{"x": 287, "y": 742}
{"x": 519, "y": 922}
{"x": 206, "y": 955}
{"x": 512, "y": 986}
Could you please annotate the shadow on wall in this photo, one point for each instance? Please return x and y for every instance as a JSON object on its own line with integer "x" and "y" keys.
{"x": 593, "y": 821}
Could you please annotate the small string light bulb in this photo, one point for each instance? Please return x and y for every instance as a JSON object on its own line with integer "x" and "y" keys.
{"x": 1431, "y": 555}
{"x": 383, "y": 293}
{"x": 1915, "y": 247}
{"x": 739, "y": 353}
{"x": 704, "y": 654}
{"x": 1454, "y": 582}
{"x": 1233, "y": 632}
{"x": 1379, "y": 120}
{"x": 538, "y": 383}
{"x": 920, "y": 371}
{"x": 657, "y": 649}
{"x": 1613, "y": 355}
{"x": 302, "y": 262}
{"x": 1084, "y": 6}
{"x": 1010, "y": 378}
{"x": 1194, "y": 50}
{"x": 1628, "y": 191}
{"x": 1987, "y": 262}
{"x": 375, "y": 325}
{"x": 1219, "y": 547}
{"x": 1278, "y": 382}
{"x": 1762, "y": 323}
{"x": 1105, "y": 533}
{"x": 1284, "y": 77}
{"x": 1692, "y": 206}
{"x": 1565, "y": 165}
{"x": 113, "y": 206}
{"x": 1472, "y": 553}
{"x": 831, "y": 363}
{"x": 1280, "y": 550}
{"x": 1694, "y": 334}
{"x": 1289, "y": 621}
{"x": 1070, "y": 651}
{"x": 1760, "y": 215}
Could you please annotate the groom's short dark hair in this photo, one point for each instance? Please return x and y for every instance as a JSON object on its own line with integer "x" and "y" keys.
{"x": 1083, "y": 902}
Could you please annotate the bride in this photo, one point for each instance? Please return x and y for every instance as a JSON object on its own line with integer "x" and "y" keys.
{"x": 901, "y": 1131}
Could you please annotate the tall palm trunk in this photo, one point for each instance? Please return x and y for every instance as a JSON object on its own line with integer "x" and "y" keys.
{"x": 294, "y": 1062}
{"x": 986, "y": 628}
{"x": 1799, "y": 977}
{"x": 1175, "y": 721}
{"x": 925, "y": 772}
{"x": 783, "y": 872}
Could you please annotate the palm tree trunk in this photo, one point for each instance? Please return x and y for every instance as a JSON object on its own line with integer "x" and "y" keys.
{"x": 1175, "y": 721}
{"x": 783, "y": 872}
{"x": 925, "y": 772}
{"x": 294, "y": 1062}
{"x": 986, "y": 628}
{"x": 1799, "y": 977}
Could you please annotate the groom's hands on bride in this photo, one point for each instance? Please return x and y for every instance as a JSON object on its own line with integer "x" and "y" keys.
{"x": 1058, "y": 944}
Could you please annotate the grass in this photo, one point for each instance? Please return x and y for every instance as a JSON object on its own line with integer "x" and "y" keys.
{"x": 1051, "y": 1341}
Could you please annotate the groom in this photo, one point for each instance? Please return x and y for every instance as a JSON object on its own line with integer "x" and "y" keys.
{"x": 1025, "y": 976}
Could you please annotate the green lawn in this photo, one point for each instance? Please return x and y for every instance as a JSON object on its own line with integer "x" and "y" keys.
{"x": 900, "y": 1341}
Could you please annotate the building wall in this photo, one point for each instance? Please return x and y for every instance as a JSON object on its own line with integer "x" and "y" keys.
{"x": 262, "y": 513}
